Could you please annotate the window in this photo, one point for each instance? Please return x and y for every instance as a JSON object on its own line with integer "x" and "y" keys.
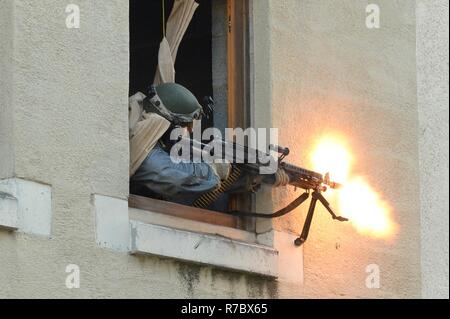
{"x": 145, "y": 226}
{"x": 212, "y": 61}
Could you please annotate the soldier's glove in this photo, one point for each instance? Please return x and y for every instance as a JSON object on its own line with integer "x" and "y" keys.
{"x": 281, "y": 178}
{"x": 222, "y": 170}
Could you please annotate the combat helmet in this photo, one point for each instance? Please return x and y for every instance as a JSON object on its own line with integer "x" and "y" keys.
{"x": 173, "y": 102}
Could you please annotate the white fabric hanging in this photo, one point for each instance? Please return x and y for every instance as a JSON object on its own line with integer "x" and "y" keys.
{"x": 180, "y": 17}
{"x": 165, "y": 73}
{"x": 145, "y": 131}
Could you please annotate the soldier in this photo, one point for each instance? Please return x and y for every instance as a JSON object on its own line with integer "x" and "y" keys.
{"x": 152, "y": 171}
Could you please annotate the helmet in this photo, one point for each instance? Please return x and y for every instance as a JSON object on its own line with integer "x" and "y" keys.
{"x": 173, "y": 102}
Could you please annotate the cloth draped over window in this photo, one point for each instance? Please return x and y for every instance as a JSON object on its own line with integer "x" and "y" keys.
{"x": 177, "y": 24}
{"x": 145, "y": 131}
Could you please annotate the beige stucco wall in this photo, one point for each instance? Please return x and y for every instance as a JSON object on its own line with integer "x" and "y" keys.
{"x": 313, "y": 60}
{"x": 6, "y": 130}
{"x": 432, "y": 88}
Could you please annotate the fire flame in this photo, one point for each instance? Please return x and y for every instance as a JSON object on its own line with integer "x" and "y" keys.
{"x": 357, "y": 200}
{"x": 330, "y": 156}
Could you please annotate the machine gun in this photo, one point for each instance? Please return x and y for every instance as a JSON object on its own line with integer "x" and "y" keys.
{"x": 247, "y": 160}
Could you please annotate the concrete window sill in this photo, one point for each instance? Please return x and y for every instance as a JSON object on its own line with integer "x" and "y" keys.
{"x": 138, "y": 231}
{"x": 25, "y": 206}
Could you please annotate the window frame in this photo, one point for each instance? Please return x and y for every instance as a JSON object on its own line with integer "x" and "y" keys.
{"x": 181, "y": 211}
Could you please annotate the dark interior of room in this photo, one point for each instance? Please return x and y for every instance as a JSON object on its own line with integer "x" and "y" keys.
{"x": 194, "y": 61}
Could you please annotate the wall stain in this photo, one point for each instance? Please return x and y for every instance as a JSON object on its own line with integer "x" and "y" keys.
{"x": 256, "y": 286}
{"x": 233, "y": 278}
{"x": 261, "y": 287}
{"x": 189, "y": 276}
